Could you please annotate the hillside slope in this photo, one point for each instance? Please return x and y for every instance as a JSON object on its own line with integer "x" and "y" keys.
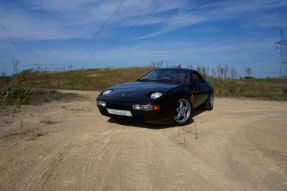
{"x": 100, "y": 79}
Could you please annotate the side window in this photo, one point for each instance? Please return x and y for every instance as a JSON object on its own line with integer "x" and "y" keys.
{"x": 184, "y": 77}
{"x": 195, "y": 78}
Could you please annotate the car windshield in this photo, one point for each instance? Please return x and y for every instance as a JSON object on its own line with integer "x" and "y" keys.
{"x": 166, "y": 75}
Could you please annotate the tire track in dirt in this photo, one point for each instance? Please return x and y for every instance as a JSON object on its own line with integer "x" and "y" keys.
{"x": 188, "y": 170}
{"x": 114, "y": 150}
{"x": 42, "y": 173}
{"x": 94, "y": 151}
{"x": 179, "y": 182}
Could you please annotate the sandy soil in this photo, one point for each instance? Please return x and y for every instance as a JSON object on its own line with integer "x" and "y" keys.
{"x": 240, "y": 145}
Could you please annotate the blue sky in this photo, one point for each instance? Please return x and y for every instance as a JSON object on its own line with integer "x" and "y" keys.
{"x": 117, "y": 33}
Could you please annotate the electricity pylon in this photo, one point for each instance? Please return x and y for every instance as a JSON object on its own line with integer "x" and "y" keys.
{"x": 15, "y": 66}
{"x": 281, "y": 45}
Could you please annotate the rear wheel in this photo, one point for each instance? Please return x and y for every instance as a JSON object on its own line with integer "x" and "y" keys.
{"x": 184, "y": 111}
{"x": 209, "y": 103}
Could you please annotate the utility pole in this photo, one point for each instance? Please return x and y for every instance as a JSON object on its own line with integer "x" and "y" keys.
{"x": 281, "y": 45}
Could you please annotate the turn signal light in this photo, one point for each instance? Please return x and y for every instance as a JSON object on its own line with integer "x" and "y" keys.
{"x": 155, "y": 107}
{"x": 146, "y": 107}
{"x": 101, "y": 103}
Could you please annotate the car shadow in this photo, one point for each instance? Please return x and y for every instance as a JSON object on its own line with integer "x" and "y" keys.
{"x": 197, "y": 111}
{"x": 141, "y": 124}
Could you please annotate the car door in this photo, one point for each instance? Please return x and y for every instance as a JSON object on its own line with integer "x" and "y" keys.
{"x": 200, "y": 88}
{"x": 195, "y": 94}
{"x": 204, "y": 89}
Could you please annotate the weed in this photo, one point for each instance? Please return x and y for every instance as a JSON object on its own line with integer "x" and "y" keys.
{"x": 14, "y": 96}
{"x": 30, "y": 133}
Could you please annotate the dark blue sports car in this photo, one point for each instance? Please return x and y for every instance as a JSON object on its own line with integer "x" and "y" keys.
{"x": 160, "y": 96}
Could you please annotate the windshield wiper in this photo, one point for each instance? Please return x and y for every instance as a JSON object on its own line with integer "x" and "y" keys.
{"x": 169, "y": 81}
{"x": 144, "y": 80}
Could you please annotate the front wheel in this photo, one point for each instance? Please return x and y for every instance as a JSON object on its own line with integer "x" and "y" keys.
{"x": 184, "y": 111}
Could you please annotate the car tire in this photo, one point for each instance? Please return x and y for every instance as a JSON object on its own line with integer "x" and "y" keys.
{"x": 209, "y": 102}
{"x": 184, "y": 112}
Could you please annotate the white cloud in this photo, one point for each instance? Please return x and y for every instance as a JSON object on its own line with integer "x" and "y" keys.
{"x": 174, "y": 23}
{"x": 250, "y": 10}
{"x": 68, "y": 19}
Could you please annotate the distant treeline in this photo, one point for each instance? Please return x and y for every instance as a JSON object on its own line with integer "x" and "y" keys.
{"x": 222, "y": 72}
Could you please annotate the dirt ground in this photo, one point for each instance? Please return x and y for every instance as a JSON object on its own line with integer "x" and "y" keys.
{"x": 240, "y": 145}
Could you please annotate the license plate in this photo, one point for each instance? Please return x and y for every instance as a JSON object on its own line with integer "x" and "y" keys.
{"x": 120, "y": 112}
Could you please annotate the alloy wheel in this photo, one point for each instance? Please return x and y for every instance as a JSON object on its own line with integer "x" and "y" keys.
{"x": 183, "y": 111}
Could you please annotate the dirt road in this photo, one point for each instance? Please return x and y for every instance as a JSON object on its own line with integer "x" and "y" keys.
{"x": 240, "y": 145}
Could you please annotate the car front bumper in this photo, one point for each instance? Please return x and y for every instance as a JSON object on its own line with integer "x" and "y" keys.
{"x": 165, "y": 114}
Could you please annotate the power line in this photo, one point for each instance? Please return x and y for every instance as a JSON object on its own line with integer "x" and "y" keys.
{"x": 173, "y": 22}
{"x": 107, "y": 21}
{"x": 12, "y": 41}
{"x": 7, "y": 53}
{"x": 133, "y": 27}
{"x": 178, "y": 18}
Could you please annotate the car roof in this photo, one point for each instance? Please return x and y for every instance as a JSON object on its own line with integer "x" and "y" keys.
{"x": 184, "y": 69}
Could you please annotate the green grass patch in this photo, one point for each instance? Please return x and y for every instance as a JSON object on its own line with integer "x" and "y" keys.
{"x": 15, "y": 96}
{"x": 24, "y": 96}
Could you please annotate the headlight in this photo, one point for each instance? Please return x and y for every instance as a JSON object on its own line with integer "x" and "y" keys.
{"x": 155, "y": 95}
{"x": 107, "y": 92}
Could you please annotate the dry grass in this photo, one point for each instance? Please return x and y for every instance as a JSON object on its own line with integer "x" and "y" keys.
{"x": 100, "y": 79}
{"x": 91, "y": 79}
{"x": 19, "y": 96}
{"x": 266, "y": 88}
{"x": 30, "y": 134}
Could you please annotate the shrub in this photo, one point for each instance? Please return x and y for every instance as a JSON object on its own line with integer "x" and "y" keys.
{"x": 14, "y": 96}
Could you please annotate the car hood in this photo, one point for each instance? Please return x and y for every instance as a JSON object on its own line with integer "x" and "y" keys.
{"x": 141, "y": 89}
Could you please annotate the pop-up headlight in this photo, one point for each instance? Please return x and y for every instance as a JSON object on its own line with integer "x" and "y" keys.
{"x": 107, "y": 92}
{"x": 155, "y": 95}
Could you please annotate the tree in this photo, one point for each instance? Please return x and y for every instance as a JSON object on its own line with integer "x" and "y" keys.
{"x": 189, "y": 66}
{"x": 233, "y": 73}
{"x": 198, "y": 68}
{"x": 248, "y": 71}
{"x": 225, "y": 71}
{"x": 213, "y": 72}
{"x": 221, "y": 72}
{"x": 218, "y": 71}
{"x": 207, "y": 71}
{"x": 203, "y": 71}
